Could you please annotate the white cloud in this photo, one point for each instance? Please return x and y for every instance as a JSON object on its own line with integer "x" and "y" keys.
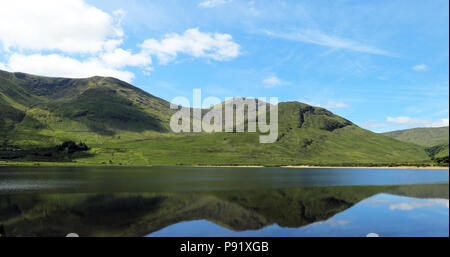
{"x": 58, "y": 65}
{"x": 68, "y": 28}
{"x": 62, "y": 66}
{"x": 213, "y": 3}
{"x": 420, "y": 67}
{"x": 272, "y": 81}
{"x": 120, "y": 58}
{"x": 440, "y": 123}
{"x": 372, "y": 124}
{"x": 66, "y": 25}
{"x": 219, "y": 47}
{"x": 333, "y": 104}
{"x": 336, "y": 223}
{"x": 81, "y": 40}
{"x": 404, "y": 120}
{"x": 415, "y": 204}
{"x": 319, "y": 38}
{"x": 399, "y": 203}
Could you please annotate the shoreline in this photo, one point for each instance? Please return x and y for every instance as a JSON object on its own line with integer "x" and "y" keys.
{"x": 369, "y": 167}
{"x": 331, "y": 167}
{"x": 47, "y": 164}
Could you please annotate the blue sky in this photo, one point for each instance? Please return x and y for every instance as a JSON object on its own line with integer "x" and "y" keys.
{"x": 381, "y": 64}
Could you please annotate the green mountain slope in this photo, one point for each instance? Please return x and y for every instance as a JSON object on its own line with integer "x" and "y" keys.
{"x": 434, "y": 139}
{"x": 125, "y": 125}
{"x": 438, "y": 151}
{"x": 94, "y": 104}
{"x": 422, "y": 136}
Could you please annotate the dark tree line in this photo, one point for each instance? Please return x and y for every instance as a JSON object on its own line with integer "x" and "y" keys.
{"x": 71, "y": 147}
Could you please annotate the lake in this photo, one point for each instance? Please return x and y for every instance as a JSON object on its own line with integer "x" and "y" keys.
{"x": 163, "y": 201}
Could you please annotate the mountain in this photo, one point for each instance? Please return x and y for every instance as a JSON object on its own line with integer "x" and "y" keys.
{"x": 96, "y": 104}
{"x": 436, "y": 141}
{"x": 422, "y": 136}
{"x": 124, "y": 125}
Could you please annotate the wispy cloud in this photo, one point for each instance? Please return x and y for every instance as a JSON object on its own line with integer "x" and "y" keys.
{"x": 420, "y": 67}
{"x": 333, "y": 104}
{"x": 328, "y": 105}
{"x": 371, "y": 124}
{"x": 273, "y": 81}
{"x": 319, "y": 38}
{"x": 213, "y": 3}
{"x": 404, "y": 120}
{"x": 411, "y": 205}
{"x": 398, "y": 203}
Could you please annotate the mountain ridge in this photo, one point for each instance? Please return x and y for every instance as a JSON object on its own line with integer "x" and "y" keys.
{"x": 436, "y": 141}
{"x": 124, "y": 125}
{"x": 422, "y": 136}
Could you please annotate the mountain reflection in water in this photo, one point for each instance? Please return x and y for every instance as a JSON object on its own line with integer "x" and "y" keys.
{"x": 267, "y": 212}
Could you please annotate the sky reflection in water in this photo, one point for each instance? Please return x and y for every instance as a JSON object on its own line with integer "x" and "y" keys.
{"x": 384, "y": 214}
{"x": 159, "y": 201}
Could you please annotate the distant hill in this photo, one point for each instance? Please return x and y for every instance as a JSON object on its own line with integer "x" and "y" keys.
{"x": 422, "y": 136}
{"x": 124, "y": 125}
{"x": 436, "y": 141}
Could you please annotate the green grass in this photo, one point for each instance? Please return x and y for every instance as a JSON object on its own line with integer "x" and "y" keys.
{"x": 434, "y": 139}
{"x": 422, "y": 136}
{"x": 124, "y": 125}
{"x": 438, "y": 151}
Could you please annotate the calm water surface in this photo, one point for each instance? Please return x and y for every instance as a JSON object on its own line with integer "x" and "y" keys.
{"x": 158, "y": 201}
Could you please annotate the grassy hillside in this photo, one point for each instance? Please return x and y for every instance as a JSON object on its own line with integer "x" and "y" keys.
{"x": 421, "y": 136}
{"x": 434, "y": 139}
{"x": 438, "y": 151}
{"x": 124, "y": 125}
